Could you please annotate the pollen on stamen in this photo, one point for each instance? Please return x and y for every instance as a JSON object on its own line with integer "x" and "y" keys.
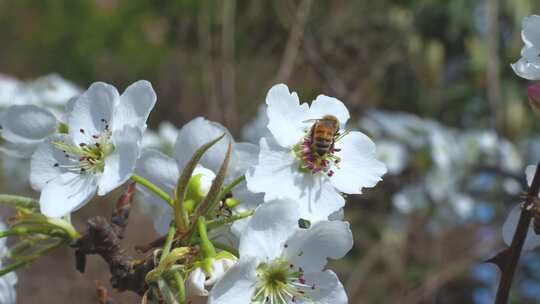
{"x": 312, "y": 161}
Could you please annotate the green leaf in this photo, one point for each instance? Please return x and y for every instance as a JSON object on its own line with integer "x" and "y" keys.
{"x": 211, "y": 200}
{"x": 180, "y": 214}
{"x": 19, "y": 202}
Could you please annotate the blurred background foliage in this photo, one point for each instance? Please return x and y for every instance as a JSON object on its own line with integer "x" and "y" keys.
{"x": 443, "y": 60}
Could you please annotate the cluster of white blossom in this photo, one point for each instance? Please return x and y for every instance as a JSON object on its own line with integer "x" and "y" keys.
{"x": 282, "y": 214}
{"x": 443, "y": 166}
{"x": 528, "y": 67}
{"x": 453, "y": 164}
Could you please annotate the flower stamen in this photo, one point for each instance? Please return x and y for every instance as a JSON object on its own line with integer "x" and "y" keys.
{"x": 279, "y": 283}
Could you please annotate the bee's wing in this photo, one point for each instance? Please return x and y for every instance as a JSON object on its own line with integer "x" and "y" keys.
{"x": 311, "y": 120}
{"x": 341, "y": 135}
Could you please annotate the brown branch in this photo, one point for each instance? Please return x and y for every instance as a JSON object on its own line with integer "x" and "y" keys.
{"x": 514, "y": 251}
{"x": 103, "y": 294}
{"x": 293, "y": 44}
{"x": 103, "y": 238}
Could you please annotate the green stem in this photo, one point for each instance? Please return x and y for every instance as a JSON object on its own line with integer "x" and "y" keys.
{"x": 30, "y": 259}
{"x": 166, "y": 293}
{"x": 228, "y": 188}
{"x": 26, "y": 230}
{"x": 180, "y": 286}
{"x": 150, "y": 186}
{"x": 180, "y": 214}
{"x": 213, "y": 224}
{"x": 168, "y": 243}
{"x": 206, "y": 245}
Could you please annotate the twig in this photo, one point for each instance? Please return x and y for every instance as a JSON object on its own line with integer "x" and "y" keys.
{"x": 512, "y": 253}
{"x": 103, "y": 239}
{"x": 293, "y": 44}
{"x": 103, "y": 294}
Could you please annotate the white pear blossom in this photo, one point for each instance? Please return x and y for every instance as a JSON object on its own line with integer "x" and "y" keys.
{"x": 199, "y": 282}
{"x": 256, "y": 129}
{"x": 8, "y": 294}
{"x": 528, "y": 66}
{"x": 8, "y": 88}
{"x": 393, "y": 154}
{"x": 280, "y": 263}
{"x": 509, "y": 227}
{"x": 164, "y": 171}
{"x": 289, "y": 166}
{"x": 50, "y": 91}
{"x": 24, "y": 127}
{"x": 100, "y": 151}
{"x": 163, "y": 139}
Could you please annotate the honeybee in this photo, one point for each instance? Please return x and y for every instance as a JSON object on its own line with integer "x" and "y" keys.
{"x": 323, "y": 134}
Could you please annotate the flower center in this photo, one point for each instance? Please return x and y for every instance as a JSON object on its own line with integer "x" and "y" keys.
{"x": 88, "y": 157}
{"x": 313, "y": 160}
{"x": 280, "y": 283}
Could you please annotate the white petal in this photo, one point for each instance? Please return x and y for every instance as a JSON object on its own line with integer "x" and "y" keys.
{"x": 195, "y": 283}
{"x": 529, "y": 172}
{"x": 531, "y": 30}
{"x": 285, "y": 115}
{"x": 237, "y": 285}
{"x": 168, "y": 132}
{"x": 158, "y": 168}
{"x": 310, "y": 248}
{"x": 268, "y": 230}
{"x": 328, "y": 289}
{"x": 120, "y": 165}
{"x": 92, "y": 112}
{"x": 67, "y": 193}
{"x": 527, "y": 69}
{"x": 43, "y": 168}
{"x": 195, "y": 134}
{"x": 359, "y": 166}
{"x": 528, "y": 66}
{"x": 275, "y": 165}
{"x": 135, "y": 105}
{"x": 219, "y": 268}
{"x": 248, "y": 200}
{"x": 163, "y": 220}
{"x": 509, "y": 227}
{"x": 244, "y": 156}
{"x": 27, "y": 124}
{"x": 325, "y": 105}
{"x": 151, "y": 140}
{"x": 314, "y": 194}
{"x": 52, "y": 90}
{"x": 8, "y": 293}
{"x": 19, "y": 150}
{"x": 337, "y": 216}
{"x": 319, "y": 199}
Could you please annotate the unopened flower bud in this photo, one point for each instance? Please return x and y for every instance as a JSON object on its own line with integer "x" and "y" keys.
{"x": 200, "y": 280}
{"x": 534, "y": 97}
